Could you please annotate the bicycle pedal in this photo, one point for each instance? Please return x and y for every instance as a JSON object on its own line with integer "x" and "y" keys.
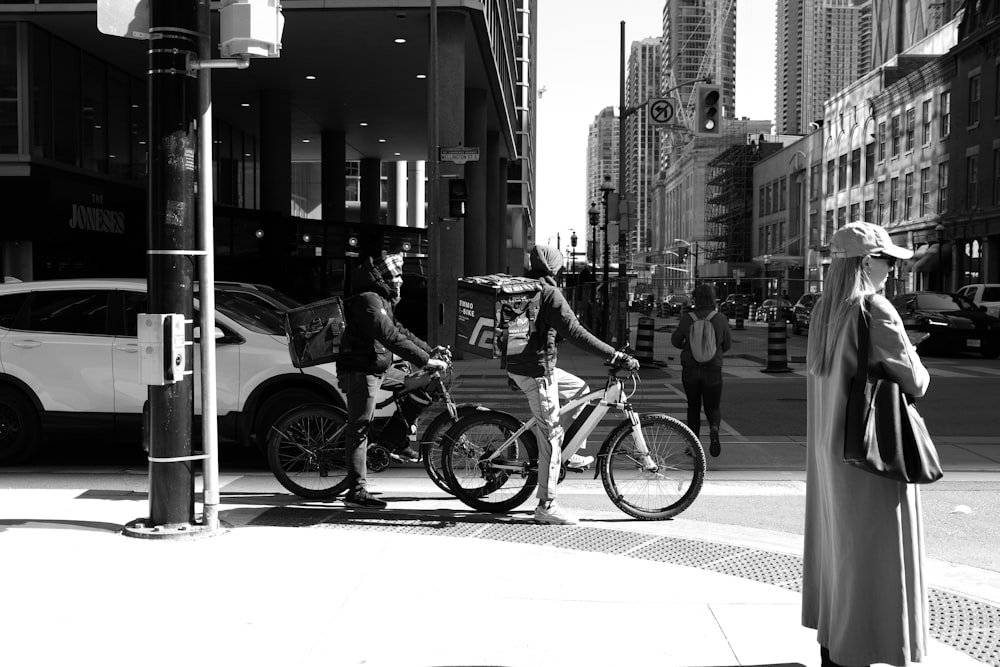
{"x": 577, "y": 468}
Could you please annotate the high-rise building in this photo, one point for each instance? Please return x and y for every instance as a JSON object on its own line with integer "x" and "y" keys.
{"x": 642, "y": 148}
{"x": 899, "y": 24}
{"x": 821, "y": 47}
{"x": 602, "y": 161}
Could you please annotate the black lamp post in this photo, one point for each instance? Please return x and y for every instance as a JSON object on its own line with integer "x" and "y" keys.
{"x": 939, "y": 230}
{"x": 572, "y": 243}
{"x": 594, "y": 220}
{"x": 606, "y": 189}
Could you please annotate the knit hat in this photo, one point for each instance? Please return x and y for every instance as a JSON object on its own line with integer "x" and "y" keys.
{"x": 860, "y": 239}
{"x": 390, "y": 266}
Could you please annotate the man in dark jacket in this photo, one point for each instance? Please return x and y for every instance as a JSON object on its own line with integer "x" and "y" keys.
{"x": 535, "y": 372}
{"x": 371, "y": 337}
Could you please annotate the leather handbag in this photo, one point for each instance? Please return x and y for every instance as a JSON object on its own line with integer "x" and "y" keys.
{"x": 884, "y": 433}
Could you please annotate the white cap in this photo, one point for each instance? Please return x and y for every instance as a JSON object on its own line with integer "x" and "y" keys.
{"x": 860, "y": 239}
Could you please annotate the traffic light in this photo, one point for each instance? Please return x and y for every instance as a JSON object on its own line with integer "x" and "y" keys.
{"x": 458, "y": 195}
{"x": 708, "y": 109}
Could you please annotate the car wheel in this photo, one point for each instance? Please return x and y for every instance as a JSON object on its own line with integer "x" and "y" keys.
{"x": 274, "y": 407}
{"x": 19, "y": 427}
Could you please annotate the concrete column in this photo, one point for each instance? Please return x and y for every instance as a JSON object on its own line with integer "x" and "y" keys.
{"x": 390, "y": 194}
{"x": 446, "y": 235}
{"x": 371, "y": 190}
{"x": 333, "y": 156}
{"x": 476, "y": 240}
{"x": 495, "y": 207}
{"x": 416, "y": 186}
{"x": 399, "y": 193}
{"x": 276, "y": 152}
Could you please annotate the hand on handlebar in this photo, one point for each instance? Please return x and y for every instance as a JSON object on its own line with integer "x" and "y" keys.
{"x": 441, "y": 352}
{"x": 436, "y": 365}
{"x": 622, "y": 360}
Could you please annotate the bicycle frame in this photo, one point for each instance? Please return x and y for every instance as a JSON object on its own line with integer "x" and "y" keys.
{"x": 596, "y": 405}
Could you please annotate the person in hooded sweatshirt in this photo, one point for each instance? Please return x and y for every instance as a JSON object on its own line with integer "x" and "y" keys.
{"x": 371, "y": 337}
{"x": 535, "y": 373}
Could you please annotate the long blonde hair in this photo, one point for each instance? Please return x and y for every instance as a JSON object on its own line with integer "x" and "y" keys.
{"x": 847, "y": 283}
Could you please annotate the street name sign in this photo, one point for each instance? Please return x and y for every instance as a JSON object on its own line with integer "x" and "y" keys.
{"x": 459, "y": 154}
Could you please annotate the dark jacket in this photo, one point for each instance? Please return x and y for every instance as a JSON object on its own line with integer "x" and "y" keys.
{"x": 372, "y": 332}
{"x": 723, "y": 338}
{"x": 556, "y": 320}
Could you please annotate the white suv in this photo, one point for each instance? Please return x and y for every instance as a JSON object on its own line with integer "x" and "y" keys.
{"x": 69, "y": 363}
{"x": 987, "y": 295}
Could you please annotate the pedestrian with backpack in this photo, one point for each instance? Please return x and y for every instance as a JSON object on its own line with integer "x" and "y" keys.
{"x": 703, "y": 336}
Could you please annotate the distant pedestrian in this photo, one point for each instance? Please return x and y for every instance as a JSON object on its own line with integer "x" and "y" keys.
{"x": 702, "y": 379}
{"x": 863, "y": 565}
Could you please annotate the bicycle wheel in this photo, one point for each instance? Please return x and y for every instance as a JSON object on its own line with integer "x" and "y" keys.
{"x": 305, "y": 450}
{"x": 430, "y": 444}
{"x": 668, "y": 487}
{"x": 480, "y": 480}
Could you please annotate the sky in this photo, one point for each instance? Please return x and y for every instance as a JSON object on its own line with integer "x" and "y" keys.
{"x": 578, "y": 70}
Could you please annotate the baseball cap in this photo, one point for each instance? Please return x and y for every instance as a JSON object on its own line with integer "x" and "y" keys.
{"x": 859, "y": 239}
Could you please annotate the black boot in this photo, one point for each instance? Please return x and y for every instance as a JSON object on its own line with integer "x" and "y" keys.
{"x": 824, "y": 654}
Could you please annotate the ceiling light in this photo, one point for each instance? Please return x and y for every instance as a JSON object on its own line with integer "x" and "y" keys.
{"x": 400, "y": 40}
{"x": 396, "y": 154}
{"x": 305, "y": 141}
{"x": 310, "y": 77}
{"x": 245, "y": 104}
{"x": 363, "y": 124}
{"x": 381, "y": 141}
{"x": 421, "y": 76}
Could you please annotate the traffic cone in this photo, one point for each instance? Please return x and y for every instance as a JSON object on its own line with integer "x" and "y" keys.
{"x": 777, "y": 348}
{"x": 644, "y": 335}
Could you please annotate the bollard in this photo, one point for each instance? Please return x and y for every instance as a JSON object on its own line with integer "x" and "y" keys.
{"x": 644, "y": 340}
{"x": 753, "y": 312}
{"x": 740, "y": 313}
{"x": 777, "y": 352}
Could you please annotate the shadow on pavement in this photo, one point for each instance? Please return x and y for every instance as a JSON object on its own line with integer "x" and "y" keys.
{"x": 7, "y": 524}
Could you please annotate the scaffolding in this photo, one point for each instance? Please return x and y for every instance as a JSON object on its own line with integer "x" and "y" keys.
{"x": 729, "y": 200}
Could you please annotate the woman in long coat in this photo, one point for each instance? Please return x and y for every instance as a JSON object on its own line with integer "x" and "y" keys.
{"x": 863, "y": 582}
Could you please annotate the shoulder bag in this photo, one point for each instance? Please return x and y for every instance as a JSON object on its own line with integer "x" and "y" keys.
{"x": 884, "y": 434}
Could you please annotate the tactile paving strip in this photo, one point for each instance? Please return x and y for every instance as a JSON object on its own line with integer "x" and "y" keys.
{"x": 965, "y": 624}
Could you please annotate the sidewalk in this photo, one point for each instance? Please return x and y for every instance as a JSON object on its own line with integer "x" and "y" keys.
{"x": 427, "y": 582}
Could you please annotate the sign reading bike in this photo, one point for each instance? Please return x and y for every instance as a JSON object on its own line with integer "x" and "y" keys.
{"x": 458, "y": 154}
{"x": 661, "y": 111}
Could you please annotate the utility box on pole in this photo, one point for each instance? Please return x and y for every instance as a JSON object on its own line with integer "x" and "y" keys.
{"x": 250, "y": 28}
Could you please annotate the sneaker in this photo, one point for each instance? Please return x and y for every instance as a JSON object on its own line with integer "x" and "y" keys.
{"x": 406, "y": 455}
{"x": 577, "y": 462}
{"x": 715, "y": 448}
{"x": 553, "y": 514}
{"x": 364, "y": 500}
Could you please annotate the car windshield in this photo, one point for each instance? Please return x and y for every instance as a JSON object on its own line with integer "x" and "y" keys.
{"x": 254, "y": 314}
{"x": 942, "y": 302}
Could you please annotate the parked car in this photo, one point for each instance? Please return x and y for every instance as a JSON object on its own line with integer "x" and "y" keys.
{"x": 675, "y": 304}
{"x": 731, "y": 302}
{"x": 643, "y": 303}
{"x": 954, "y": 323}
{"x": 69, "y": 363}
{"x": 983, "y": 294}
{"x": 255, "y": 293}
{"x": 775, "y": 310}
{"x": 802, "y": 311}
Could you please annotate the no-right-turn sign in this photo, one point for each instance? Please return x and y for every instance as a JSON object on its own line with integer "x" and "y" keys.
{"x": 661, "y": 111}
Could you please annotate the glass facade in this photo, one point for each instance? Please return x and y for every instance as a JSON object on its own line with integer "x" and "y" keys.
{"x": 8, "y": 89}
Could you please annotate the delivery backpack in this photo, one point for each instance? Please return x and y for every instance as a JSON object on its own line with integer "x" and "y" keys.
{"x": 701, "y": 337}
{"x": 515, "y": 323}
{"x": 315, "y": 331}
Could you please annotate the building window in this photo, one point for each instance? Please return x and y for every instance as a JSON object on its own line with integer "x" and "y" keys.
{"x": 895, "y": 136}
{"x": 908, "y": 196}
{"x": 881, "y": 142}
{"x": 880, "y": 201}
{"x": 996, "y": 91}
{"x": 841, "y": 216}
{"x": 856, "y": 166}
{"x": 842, "y": 171}
{"x": 855, "y": 212}
{"x": 783, "y": 185}
{"x": 911, "y": 128}
{"x": 8, "y": 84}
{"x": 763, "y": 201}
{"x": 869, "y": 162}
{"x": 972, "y": 182}
{"x": 893, "y": 200}
{"x": 925, "y": 191}
{"x": 829, "y": 227}
{"x": 996, "y": 173}
{"x": 925, "y": 135}
{"x": 942, "y": 188}
{"x": 831, "y": 171}
{"x": 869, "y": 209}
{"x": 815, "y": 174}
{"x": 975, "y": 92}
{"x": 945, "y": 114}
